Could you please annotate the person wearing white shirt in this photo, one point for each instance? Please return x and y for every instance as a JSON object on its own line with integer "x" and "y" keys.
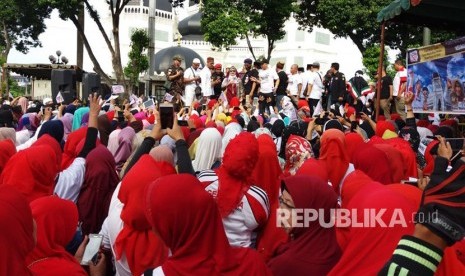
{"x": 398, "y": 88}
{"x": 294, "y": 83}
{"x": 206, "y": 78}
{"x": 268, "y": 80}
{"x": 191, "y": 80}
{"x": 315, "y": 86}
{"x": 305, "y": 78}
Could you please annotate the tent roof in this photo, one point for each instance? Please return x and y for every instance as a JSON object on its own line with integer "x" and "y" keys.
{"x": 444, "y": 14}
{"x": 41, "y": 71}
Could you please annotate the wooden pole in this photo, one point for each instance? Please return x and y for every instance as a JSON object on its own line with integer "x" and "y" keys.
{"x": 380, "y": 69}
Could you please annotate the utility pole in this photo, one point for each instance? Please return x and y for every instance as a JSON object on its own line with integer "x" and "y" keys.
{"x": 80, "y": 46}
{"x": 151, "y": 50}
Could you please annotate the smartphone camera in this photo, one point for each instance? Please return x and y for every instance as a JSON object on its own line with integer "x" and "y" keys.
{"x": 166, "y": 115}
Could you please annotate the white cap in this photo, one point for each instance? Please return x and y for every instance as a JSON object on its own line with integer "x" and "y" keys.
{"x": 112, "y": 97}
{"x": 196, "y": 60}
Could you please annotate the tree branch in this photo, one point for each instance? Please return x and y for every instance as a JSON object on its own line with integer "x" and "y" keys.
{"x": 120, "y": 9}
{"x": 97, "y": 68}
{"x": 7, "y": 41}
{"x": 96, "y": 19}
{"x": 249, "y": 44}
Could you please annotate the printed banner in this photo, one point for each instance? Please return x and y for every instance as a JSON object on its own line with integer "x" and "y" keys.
{"x": 436, "y": 76}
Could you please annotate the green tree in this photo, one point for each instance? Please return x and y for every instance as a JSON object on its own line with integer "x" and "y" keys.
{"x": 370, "y": 59}
{"x": 225, "y": 21}
{"x": 70, "y": 10}
{"x": 21, "y": 23}
{"x": 15, "y": 89}
{"x": 356, "y": 19}
{"x": 138, "y": 61}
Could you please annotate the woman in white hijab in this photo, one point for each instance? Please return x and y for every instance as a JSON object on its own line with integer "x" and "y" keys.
{"x": 288, "y": 108}
{"x": 208, "y": 150}
{"x": 230, "y": 131}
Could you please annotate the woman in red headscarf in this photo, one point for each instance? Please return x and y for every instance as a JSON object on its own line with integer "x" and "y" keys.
{"x": 298, "y": 149}
{"x": 56, "y": 221}
{"x": 16, "y": 232}
{"x": 100, "y": 180}
{"x": 374, "y": 163}
{"x": 354, "y": 142}
{"x": 409, "y": 156}
{"x": 266, "y": 175}
{"x": 311, "y": 167}
{"x": 29, "y": 171}
{"x": 369, "y": 248}
{"x": 244, "y": 207}
{"x": 135, "y": 246}
{"x": 189, "y": 223}
{"x": 312, "y": 249}
{"x": 334, "y": 157}
{"x": 395, "y": 158}
{"x": 7, "y": 150}
{"x": 70, "y": 150}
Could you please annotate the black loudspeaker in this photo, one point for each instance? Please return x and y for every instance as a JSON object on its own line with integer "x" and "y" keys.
{"x": 90, "y": 84}
{"x": 64, "y": 81}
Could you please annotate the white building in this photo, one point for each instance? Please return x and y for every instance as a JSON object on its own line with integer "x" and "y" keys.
{"x": 297, "y": 46}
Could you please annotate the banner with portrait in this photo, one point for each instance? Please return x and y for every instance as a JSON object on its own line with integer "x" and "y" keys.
{"x": 436, "y": 76}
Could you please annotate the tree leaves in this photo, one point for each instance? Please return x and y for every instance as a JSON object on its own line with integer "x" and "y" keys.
{"x": 138, "y": 61}
{"x": 225, "y": 21}
{"x": 356, "y": 19}
{"x": 21, "y": 22}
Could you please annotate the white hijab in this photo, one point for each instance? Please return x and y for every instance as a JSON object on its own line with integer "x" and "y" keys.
{"x": 208, "y": 149}
{"x": 230, "y": 131}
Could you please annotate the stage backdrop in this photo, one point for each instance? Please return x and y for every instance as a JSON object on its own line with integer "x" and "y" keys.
{"x": 436, "y": 75}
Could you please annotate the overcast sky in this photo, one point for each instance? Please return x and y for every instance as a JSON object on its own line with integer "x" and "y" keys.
{"x": 61, "y": 35}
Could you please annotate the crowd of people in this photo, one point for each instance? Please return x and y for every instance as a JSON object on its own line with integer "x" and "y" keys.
{"x": 206, "y": 195}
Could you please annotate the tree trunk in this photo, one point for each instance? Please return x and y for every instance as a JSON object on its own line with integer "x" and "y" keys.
{"x": 250, "y": 46}
{"x": 97, "y": 68}
{"x": 270, "y": 48}
{"x": 116, "y": 57}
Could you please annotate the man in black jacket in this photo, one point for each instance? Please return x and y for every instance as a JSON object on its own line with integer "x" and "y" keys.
{"x": 337, "y": 86}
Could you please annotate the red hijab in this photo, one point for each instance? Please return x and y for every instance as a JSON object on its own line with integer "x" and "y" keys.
{"x": 186, "y": 218}
{"x": 382, "y": 126}
{"x": 234, "y": 174}
{"x": 429, "y": 158}
{"x": 353, "y": 143}
{"x": 374, "y": 163}
{"x": 29, "y": 172}
{"x": 52, "y": 142}
{"x": 314, "y": 249}
{"x": 369, "y": 248}
{"x": 395, "y": 161}
{"x": 16, "y": 232}
{"x": 266, "y": 175}
{"x": 7, "y": 150}
{"x": 353, "y": 184}
{"x": 137, "y": 236}
{"x": 56, "y": 221}
{"x": 311, "y": 167}
{"x": 333, "y": 156}
{"x": 298, "y": 149}
{"x": 409, "y": 156}
{"x": 100, "y": 180}
{"x": 70, "y": 151}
